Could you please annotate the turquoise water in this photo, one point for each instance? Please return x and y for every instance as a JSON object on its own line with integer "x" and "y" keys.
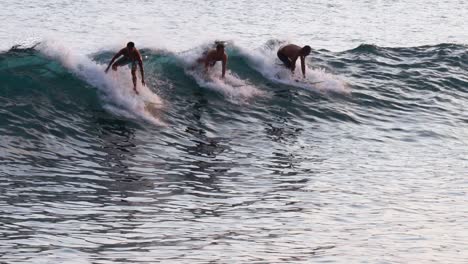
{"x": 366, "y": 166}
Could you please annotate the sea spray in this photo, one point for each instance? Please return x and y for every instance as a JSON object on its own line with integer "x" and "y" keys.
{"x": 115, "y": 87}
{"x": 231, "y": 86}
{"x": 265, "y": 61}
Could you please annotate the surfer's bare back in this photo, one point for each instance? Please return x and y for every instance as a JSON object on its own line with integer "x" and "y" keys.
{"x": 130, "y": 55}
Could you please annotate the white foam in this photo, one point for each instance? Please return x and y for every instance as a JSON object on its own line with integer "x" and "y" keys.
{"x": 231, "y": 86}
{"x": 265, "y": 61}
{"x": 115, "y": 88}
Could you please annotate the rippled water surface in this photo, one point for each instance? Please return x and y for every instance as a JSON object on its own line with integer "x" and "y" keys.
{"x": 368, "y": 165}
{"x": 337, "y": 25}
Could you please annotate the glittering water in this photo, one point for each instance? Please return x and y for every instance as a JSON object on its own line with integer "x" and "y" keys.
{"x": 181, "y": 25}
{"x": 367, "y": 166}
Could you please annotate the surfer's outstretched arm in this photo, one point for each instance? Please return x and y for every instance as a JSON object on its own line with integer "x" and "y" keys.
{"x": 207, "y": 64}
{"x": 140, "y": 64}
{"x": 303, "y": 65}
{"x": 142, "y": 71}
{"x": 114, "y": 58}
{"x": 224, "y": 65}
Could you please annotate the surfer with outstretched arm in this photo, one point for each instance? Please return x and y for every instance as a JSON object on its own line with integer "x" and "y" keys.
{"x": 288, "y": 55}
{"x": 210, "y": 58}
{"x": 130, "y": 55}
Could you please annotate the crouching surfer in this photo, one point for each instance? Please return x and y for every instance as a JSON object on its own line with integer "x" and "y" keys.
{"x": 210, "y": 57}
{"x": 290, "y": 53}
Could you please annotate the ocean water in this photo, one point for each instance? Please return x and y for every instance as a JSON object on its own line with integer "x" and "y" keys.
{"x": 364, "y": 162}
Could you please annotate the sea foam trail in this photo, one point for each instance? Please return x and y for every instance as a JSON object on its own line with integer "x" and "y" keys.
{"x": 115, "y": 87}
{"x": 232, "y": 87}
{"x": 265, "y": 61}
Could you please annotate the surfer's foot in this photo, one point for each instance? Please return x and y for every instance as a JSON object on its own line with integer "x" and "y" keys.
{"x": 136, "y": 91}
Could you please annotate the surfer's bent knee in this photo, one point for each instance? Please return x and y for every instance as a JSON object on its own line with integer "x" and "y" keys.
{"x": 284, "y": 59}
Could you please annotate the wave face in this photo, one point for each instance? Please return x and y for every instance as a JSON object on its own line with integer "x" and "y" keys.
{"x": 195, "y": 162}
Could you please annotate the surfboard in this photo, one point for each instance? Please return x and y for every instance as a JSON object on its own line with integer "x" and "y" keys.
{"x": 303, "y": 84}
{"x": 153, "y": 108}
{"x": 210, "y": 77}
{"x": 284, "y": 77}
{"x": 308, "y": 82}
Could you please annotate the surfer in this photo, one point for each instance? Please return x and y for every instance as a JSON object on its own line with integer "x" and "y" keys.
{"x": 288, "y": 55}
{"x": 210, "y": 57}
{"x": 130, "y": 55}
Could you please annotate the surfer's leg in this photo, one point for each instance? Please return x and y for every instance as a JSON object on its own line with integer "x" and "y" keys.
{"x": 120, "y": 62}
{"x": 134, "y": 77}
{"x": 284, "y": 59}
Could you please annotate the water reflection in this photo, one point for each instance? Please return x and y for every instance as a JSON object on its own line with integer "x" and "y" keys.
{"x": 202, "y": 167}
{"x": 117, "y": 142}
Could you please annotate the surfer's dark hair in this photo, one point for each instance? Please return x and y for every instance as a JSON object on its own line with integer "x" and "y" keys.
{"x": 220, "y": 45}
{"x": 306, "y": 50}
{"x": 130, "y": 45}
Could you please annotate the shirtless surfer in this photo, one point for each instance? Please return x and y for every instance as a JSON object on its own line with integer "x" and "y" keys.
{"x": 288, "y": 55}
{"x": 130, "y": 55}
{"x": 210, "y": 58}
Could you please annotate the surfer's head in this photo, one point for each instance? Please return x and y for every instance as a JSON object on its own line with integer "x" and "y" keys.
{"x": 220, "y": 48}
{"x": 306, "y": 50}
{"x": 130, "y": 45}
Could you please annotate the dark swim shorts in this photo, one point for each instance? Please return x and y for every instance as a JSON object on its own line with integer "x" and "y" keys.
{"x": 284, "y": 59}
{"x": 124, "y": 61}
